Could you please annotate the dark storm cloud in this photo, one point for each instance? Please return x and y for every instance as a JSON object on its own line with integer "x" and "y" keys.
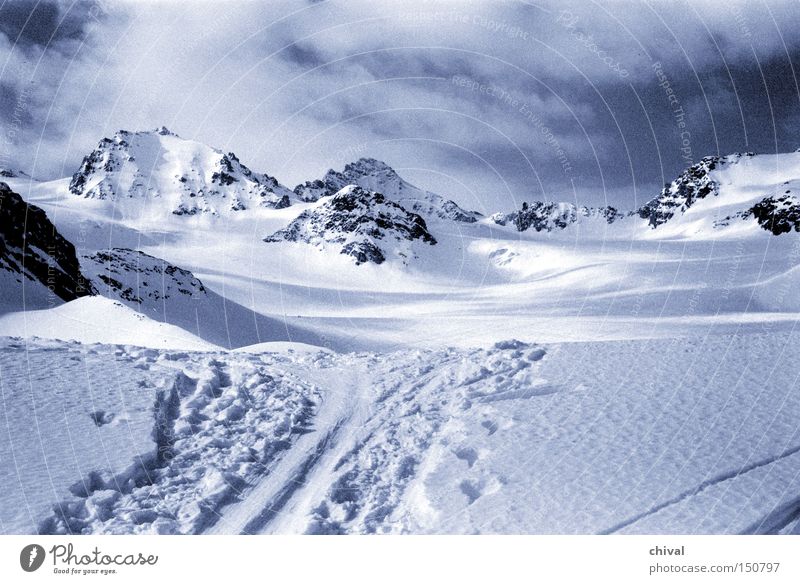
{"x": 41, "y": 22}
{"x": 302, "y": 55}
{"x": 599, "y": 101}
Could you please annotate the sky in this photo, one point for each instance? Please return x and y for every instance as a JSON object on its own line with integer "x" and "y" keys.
{"x": 489, "y": 103}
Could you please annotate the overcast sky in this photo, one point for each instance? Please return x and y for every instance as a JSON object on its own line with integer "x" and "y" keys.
{"x": 490, "y": 103}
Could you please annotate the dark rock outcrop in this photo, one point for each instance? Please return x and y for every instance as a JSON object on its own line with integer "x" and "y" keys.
{"x": 541, "y": 216}
{"x": 363, "y": 224}
{"x": 32, "y": 248}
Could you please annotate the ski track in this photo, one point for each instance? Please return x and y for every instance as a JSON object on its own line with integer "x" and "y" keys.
{"x": 774, "y": 522}
{"x": 325, "y": 443}
{"x": 340, "y": 407}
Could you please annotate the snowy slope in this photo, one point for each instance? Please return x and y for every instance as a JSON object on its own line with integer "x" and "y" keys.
{"x": 169, "y": 294}
{"x": 94, "y": 319}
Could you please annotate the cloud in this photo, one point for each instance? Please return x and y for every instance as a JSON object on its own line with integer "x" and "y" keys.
{"x": 295, "y": 88}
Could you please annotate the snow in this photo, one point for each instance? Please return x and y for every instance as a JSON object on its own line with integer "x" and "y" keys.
{"x": 601, "y": 378}
{"x": 674, "y": 435}
{"x": 94, "y": 319}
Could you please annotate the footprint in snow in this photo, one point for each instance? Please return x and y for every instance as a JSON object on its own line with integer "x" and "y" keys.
{"x": 537, "y": 354}
{"x": 474, "y": 489}
{"x": 467, "y": 454}
{"x": 101, "y": 417}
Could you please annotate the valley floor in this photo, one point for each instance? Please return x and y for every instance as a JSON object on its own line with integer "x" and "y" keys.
{"x": 693, "y": 434}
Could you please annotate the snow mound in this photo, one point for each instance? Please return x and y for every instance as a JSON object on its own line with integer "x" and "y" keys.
{"x": 94, "y": 319}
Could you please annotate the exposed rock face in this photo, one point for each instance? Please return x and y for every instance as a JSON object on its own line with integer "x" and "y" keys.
{"x": 374, "y": 175}
{"x": 362, "y": 224}
{"x": 173, "y": 175}
{"x": 139, "y": 278}
{"x": 777, "y": 214}
{"x": 542, "y": 216}
{"x": 693, "y": 184}
{"x": 31, "y": 247}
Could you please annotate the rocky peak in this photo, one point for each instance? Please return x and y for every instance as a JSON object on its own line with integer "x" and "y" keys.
{"x": 694, "y": 183}
{"x": 375, "y": 175}
{"x": 362, "y": 224}
{"x": 549, "y": 216}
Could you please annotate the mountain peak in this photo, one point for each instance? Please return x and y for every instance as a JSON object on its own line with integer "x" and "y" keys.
{"x": 367, "y": 166}
{"x": 360, "y": 223}
{"x": 189, "y": 177}
{"x": 375, "y": 175}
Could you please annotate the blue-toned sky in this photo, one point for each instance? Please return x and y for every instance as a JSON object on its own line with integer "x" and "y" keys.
{"x": 490, "y": 103}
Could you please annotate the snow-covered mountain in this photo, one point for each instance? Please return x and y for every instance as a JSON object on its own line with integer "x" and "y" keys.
{"x": 157, "y": 173}
{"x": 374, "y": 175}
{"x": 718, "y": 196}
{"x": 542, "y": 216}
{"x": 35, "y": 260}
{"x": 736, "y": 193}
{"x": 359, "y": 223}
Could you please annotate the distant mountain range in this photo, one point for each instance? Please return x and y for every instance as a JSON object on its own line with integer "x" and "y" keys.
{"x": 365, "y": 211}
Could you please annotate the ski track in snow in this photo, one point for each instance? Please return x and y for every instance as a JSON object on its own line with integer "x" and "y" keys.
{"x": 419, "y": 441}
{"x": 766, "y": 523}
